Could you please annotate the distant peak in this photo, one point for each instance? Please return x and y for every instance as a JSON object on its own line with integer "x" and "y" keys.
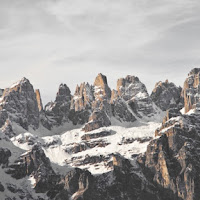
{"x": 194, "y": 71}
{"x": 131, "y": 78}
{"x": 100, "y": 80}
{"x": 20, "y": 82}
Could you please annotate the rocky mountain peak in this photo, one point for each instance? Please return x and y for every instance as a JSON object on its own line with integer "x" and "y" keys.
{"x": 194, "y": 71}
{"x": 191, "y": 90}
{"x": 101, "y": 80}
{"x": 102, "y": 89}
{"x": 135, "y": 94}
{"x": 167, "y": 95}
{"x": 63, "y": 93}
{"x": 129, "y": 87}
{"x": 19, "y": 104}
{"x": 83, "y": 97}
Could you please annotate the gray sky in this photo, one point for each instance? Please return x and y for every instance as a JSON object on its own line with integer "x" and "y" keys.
{"x": 71, "y": 41}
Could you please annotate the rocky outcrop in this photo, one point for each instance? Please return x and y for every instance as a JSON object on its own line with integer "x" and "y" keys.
{"x": 19, "y": 104}
{"x": 173, "y": 159}
{"x": 167, "y": 95}
{"x": 135, "y": 94}
{"x": 83, "y": 97}
{"x": 7, "y": 130}
{"x": 191, "y": 90}
{"x": 34, "y": 163}
{"x": 4, "y": 156}
{"x": 39, "y": 100}
{"x": 97, "y": 120}
{"x": 101, "y": 88}
{"x": 78, "y": 183}
{"x": 96, "y": 135}
{"x": 120, "y": 109}
{"x": 58, "y": 111}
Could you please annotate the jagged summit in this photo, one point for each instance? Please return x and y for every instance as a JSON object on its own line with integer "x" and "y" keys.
{"x": 101, "y": 80}
{"x": 19, "y": 104}
{"x": 98, "y": 144}
{"x": 167, "y": 95}
{"x": 63, "y": 93}
{"x": 194, "y": 71}
{"x": 191, "y": 91}
{"x": 134, "y": 92}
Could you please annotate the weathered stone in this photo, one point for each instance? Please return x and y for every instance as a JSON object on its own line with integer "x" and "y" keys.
{"x": 102, "y": 89}
{"x": 4, "y": 156}
{"x": 191, "y": 91}
{"x": 173, "y": 159}
{"x": 135, "y": 94}
{"x": 97, "y": 119}
{"x": 35, "y": 163}
{"x": 2, "y": 189}
{"x": 58, "y": 111}
{"x": 83, "y": 97}
{"x": 167, "y": 95}
{"x": 39, "y": 100}
{"x": 20, "y": 105}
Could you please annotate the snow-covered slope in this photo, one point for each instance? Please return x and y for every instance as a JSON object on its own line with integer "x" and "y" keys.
{"x": 92, "y": 150}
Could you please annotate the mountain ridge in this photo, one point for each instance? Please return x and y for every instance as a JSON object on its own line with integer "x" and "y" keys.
{"x": 101, "y": 143}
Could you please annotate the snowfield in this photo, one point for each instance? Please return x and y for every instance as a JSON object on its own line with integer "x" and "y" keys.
{"x": 70, "y": 149}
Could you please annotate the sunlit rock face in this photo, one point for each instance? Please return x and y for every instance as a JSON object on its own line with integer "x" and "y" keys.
{"x": 191, "y": 90}
{"x": 19, "y": 104}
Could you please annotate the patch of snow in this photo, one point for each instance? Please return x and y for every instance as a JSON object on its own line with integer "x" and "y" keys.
{"x": 182, "y": 111}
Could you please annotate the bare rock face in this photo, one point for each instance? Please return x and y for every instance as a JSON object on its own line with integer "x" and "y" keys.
{"x": 19, "y": 104}
{"x": 4, "y": 156}
{"x": 97, "y": 119}
{"x": 39, "y": 100}
{"x": 173, "y": 158}
{"x": 102, "y": 89}
{"x": 135, "y": 94}
{"x": 58, "y": 111}
{"x": 83, "y": 97}
{"x": 81, "y": 104}
{"x": 77, "y": 183}
{"x": 120, "y": 109}
{"x": 191, "y": 90}
{"x": 1, "y": 92}
{"x": 167, "y": 95}
{"x": 35, "y": 163}
{"x": 101, "y": 108}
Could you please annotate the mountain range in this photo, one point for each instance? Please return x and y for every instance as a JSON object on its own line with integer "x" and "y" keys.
{"x": 101, "y": 144}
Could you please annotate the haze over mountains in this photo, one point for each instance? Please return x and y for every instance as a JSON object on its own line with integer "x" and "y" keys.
{"x": 100, "y": 143}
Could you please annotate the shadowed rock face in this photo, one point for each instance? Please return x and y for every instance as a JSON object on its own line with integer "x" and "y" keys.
{"x": 58, "y": 111}
{"x": 1, "y": 92}
{"x": 4, "y": 156}
{"x": 34, "y": 163}
{"x": 120, "y": 108}
{"x": 132, "y": 91}
{"x": 191, "y": 90}
{"x": 166, "y": 95}
{"x": 19, "y": 104}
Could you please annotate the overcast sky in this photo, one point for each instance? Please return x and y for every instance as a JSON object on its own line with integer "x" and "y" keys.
{"x": 71, "y": 41}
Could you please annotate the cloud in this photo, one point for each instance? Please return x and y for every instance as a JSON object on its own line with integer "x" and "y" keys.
{"x": 72, "y": 40}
